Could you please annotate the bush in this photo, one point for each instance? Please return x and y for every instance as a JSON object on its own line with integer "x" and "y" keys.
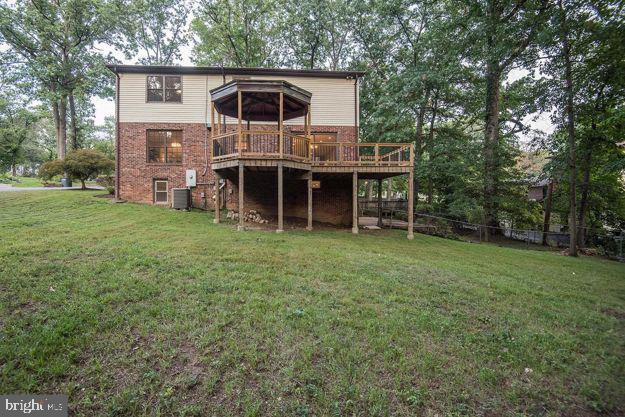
{"x": 83, "y": 164}
{"x": 106, "y": 181}
{"x": 50, "y": 169}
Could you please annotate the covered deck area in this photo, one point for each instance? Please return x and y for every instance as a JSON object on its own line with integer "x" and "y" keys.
{"x": 259, "y": 142}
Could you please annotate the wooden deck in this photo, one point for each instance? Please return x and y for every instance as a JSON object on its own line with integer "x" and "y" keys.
{"x": 267, "y": 147}
{"x": 235, "y": 152}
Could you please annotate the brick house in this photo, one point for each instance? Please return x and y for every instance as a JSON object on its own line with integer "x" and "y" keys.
{"x": 278, "y": 141}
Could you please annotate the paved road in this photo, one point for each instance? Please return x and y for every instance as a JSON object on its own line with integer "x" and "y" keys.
{"x": 8, "y": 187}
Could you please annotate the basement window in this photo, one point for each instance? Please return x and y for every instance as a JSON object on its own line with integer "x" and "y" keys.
{"x": 160, "y": 191}
{"x": 164, "y": 146}
{"x": 164, "y": 88}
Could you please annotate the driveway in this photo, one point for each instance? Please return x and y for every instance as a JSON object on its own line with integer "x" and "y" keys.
{"x": 8, "y": 187}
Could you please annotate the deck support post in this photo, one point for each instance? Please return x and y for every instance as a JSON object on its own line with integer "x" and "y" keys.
{"x": 217, "y": 217}
{"x": 308, "y": 123}
{"x": 355, "y": 202}
{"x": 379, "y": 202}
{"x": 241, "y": 227}
{"x": 411, "y": 204}
{"x": 280, "y": 198}
{"x": 240, "y": 115}
{"x": 310, "y": 195}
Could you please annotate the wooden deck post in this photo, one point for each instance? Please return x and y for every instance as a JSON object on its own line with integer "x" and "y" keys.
{"x": 280, "y": 125}
{"x": 217, "y": 218}
{"x": 218, "y": 121}
{"x": 310, "y": 195}
{"x": 240, "y": 115}
{"x": 379, "y": 202}
{"x": 355, "y": 202}
{"x": 241, "y": 227}
{"x": 411, "y": 204}
{"x": 309, "y": 118}
{"x": 280, "y": 198}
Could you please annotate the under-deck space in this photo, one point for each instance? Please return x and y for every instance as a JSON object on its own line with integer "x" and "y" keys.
{"x": 281, "y": 173}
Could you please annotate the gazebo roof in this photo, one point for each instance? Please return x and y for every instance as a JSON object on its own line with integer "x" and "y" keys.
{"x": 261, "y": 99}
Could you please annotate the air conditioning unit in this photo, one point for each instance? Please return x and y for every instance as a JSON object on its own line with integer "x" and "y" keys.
{"x": 181, "y": 198}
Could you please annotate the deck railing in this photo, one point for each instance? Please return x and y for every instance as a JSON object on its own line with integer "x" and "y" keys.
{"x": 382, "y": 154}
{"x": 266, "y": 144}
{"x": 260, "y": 144}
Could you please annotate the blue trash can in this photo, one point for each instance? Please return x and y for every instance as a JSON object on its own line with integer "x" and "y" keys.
{"x": 66, "y": 182}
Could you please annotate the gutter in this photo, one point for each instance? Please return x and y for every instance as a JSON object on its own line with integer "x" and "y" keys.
{"x": 200, "y": 70}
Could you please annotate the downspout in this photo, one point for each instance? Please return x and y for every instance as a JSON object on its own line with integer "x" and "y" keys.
{"x": 223, "y": 81}
{"x": 205, "y": 123}
{"x": 117, "y": 150}
{"x": 356, "y": 107}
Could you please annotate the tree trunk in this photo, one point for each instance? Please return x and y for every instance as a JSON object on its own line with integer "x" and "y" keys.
{"x": 73, "y": 123}
{"x": 368, "y": 190}
{"x": 585, "y": 191}
{"x": 14, "y": 170}
{"x": 430, "y": 146}
{"x": 570, "y": 127}
{"x": 82, "y": 185}
{"x": 491, "y": 143}
{"x": 419, "y": 143}
{"x": 62, "y": 128}
{"x": 59, "y": 115}
{"x": 547, "y": 219}
{"x": 389, "y": 190}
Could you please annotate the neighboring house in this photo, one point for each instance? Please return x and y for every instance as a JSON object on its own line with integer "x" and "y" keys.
{"x": 538, "y": 190}
{"x": 281, "y": 142}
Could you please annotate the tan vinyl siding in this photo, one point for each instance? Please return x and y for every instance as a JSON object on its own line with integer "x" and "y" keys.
{"x": 133, "y": 106}
{"x": 333, "y": 100}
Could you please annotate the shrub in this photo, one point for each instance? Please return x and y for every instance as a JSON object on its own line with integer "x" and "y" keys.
{"x": 50, "y": 169}
{"x": 83, "y": 164}
{"x": 106, "y": 181}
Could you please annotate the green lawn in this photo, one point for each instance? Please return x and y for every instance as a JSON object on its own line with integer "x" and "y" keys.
{"x": 138, "y": 310}
{"x": 22, "y": 181}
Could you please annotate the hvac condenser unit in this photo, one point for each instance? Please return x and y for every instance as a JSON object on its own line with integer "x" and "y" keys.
{"x": 182, "y": 198}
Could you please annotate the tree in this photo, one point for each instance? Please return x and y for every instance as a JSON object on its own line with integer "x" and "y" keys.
{"x": 585, "y": 59}
{"x": 54, "y": 42}
{"x": 102, "y": 138}
{"x": 154, "y": 31}
{"x": 16, "y": 127}
{"x": 304, "y": 28}
{"x": 241, "y": 33}
{"x": 51, "y": 169}
{"x": 500, "y": 33}
{"x": 87, "y": 163}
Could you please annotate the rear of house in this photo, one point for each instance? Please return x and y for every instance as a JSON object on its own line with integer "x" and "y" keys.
{"x": 287, "y": 139}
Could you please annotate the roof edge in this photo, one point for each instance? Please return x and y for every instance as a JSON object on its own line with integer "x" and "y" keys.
{"x": 192, "y": 70}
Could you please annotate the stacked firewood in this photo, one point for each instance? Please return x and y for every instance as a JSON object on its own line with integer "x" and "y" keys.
{"x": 251, "y": 216}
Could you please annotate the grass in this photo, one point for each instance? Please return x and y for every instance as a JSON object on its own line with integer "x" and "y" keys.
{"x": 22, "y": 181}
{"x": 26, "y": 182}
{"x": 138, "y": 310}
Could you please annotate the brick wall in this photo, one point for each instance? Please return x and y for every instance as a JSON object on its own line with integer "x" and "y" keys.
{"x": 332, "y": 203}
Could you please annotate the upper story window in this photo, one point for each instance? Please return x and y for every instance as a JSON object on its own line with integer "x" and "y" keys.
{"x": 165, "y": 146}
{"x": 164, "y": 88}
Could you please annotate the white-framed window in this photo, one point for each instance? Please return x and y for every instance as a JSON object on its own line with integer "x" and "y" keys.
{"x": 164, "y": 88}
{"x": 164, "y": 146}
{"x": 161, "y": 193}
